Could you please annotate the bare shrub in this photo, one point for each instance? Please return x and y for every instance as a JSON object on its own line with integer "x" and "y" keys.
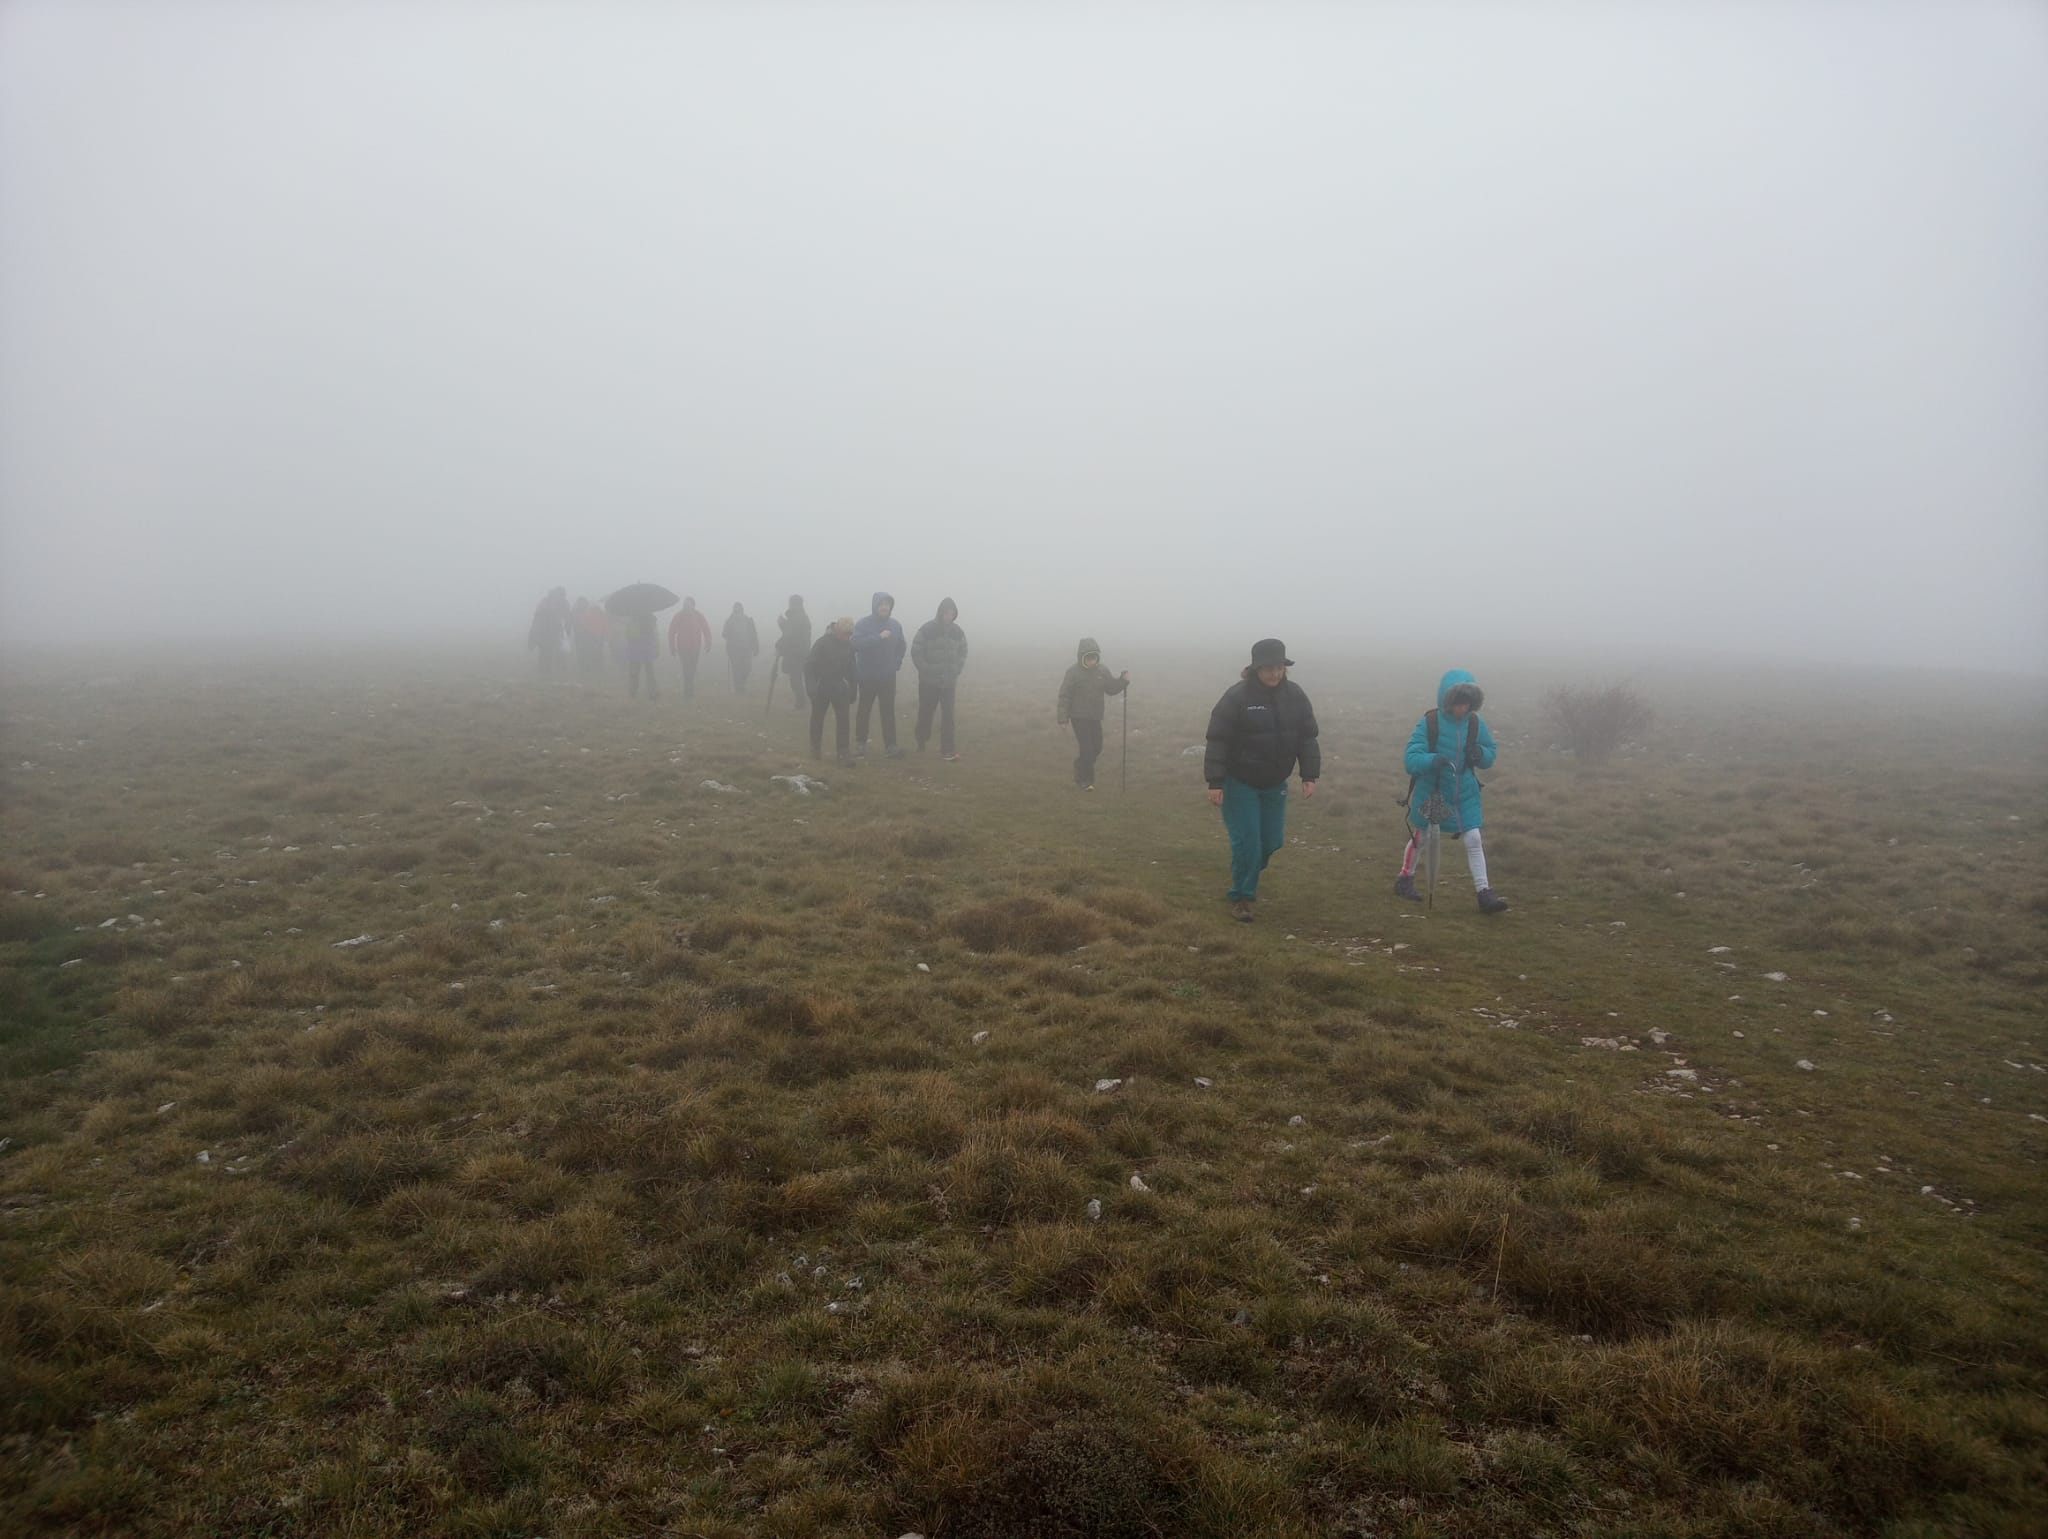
{"x": 1594, "y": 721}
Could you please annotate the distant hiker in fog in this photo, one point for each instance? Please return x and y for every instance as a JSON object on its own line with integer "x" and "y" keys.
{"x": 878, "y": 649}
{"x": 642, "y": 648}
{"x": 793, "y": 646}
{"x": 1081, "y": 702}
{"x": 1446, "y": 751}
{"x": 742, "y": 642}
{"x": 828, "y": 678}
{"x": 1260, "y": 727}
{"x": 689, "y": 633}
{"x": 938, "y": 652}
{"x": 591, "y": 627}
{"x": 549, "y": 633}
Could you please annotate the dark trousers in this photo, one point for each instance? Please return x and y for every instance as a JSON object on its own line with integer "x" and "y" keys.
{"x": 690, "y": 675}
{"x": 875, "y": 692}
{"x": 635, "y": 666}
{"x": 796, "y": 681}
{"x": 819, "y": 706}
{"x": 742, "y": 664}
{"x": 1088, "y": 737}
{"x": 939, "y": 698}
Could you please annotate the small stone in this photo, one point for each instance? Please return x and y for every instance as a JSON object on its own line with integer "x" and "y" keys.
{"x": 1297, "y": 1121}
{"x": 1103, "y": 1086}
{"x": 206, "y": 1156}
{"x": 1138, "y": 1184}
{"x": 1094, "y": 1209}
{"x": 924, "y": 967}
{"x": 1804, "y": 1063}
{"x": 980, "y": 1037}
{"x": 1204, "y": 1083}
{"x": 1775, "y": 977}
{"x": 165, "y": 1107}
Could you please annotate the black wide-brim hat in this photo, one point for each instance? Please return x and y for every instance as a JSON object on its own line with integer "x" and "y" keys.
{"x": 1270, "y": 652}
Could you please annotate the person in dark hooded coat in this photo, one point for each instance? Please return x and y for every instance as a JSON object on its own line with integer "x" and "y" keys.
{"x": 742, "y": 645}
{"x": 938, "y": 652}
{"x": 828, "y": 677}
{"x": 878, "y": 648}
{"x": 1081, "y": 702}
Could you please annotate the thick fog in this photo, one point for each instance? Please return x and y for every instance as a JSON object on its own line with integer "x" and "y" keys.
{"x": 1624, "y": 328}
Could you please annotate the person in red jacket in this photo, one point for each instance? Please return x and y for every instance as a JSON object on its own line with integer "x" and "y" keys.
{"x": 689, "y": 633}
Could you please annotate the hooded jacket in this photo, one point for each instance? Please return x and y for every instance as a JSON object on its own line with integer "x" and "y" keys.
{"x": 742, "y": 639}
{"x": 939, "y": 650}
{"x": 794, "y": 644}
{"x": 828, "y": 671}
{"x": 1459, "y": 787}
{"x": 1083, "y": 689}
{"x": 876, "y": 657}
{"x": 1257, "y": 734}
{"x": 689, "y": 632}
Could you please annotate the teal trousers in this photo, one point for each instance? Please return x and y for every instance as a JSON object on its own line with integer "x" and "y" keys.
{"x": 1256, "y": 817}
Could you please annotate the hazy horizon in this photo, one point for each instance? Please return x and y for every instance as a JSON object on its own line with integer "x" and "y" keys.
{"x": 1577, "y": 329}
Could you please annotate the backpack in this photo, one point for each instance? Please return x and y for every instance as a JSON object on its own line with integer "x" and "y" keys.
{"x": 1471, "y": 751}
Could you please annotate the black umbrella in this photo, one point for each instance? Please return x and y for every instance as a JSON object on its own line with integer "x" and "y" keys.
{"x": 641, "y": 598}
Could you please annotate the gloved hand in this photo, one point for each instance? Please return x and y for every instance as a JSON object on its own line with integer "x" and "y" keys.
{"x": 1443, "y": 761}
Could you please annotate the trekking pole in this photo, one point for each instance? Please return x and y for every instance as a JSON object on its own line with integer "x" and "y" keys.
{"x": 1124, "y": 770}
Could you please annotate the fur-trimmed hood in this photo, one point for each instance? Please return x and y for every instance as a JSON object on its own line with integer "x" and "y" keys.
{"x": 1459, "y": 687}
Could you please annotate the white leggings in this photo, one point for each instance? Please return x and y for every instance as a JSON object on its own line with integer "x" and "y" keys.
{"x": 1475, "y": 855}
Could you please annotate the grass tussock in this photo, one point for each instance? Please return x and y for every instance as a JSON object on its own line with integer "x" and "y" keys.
{"x": 1037, "y": 926}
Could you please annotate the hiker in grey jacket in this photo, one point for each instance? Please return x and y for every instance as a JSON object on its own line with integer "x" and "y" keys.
{"x": 1082, "y": 694}
{"x": 939, "y": 652}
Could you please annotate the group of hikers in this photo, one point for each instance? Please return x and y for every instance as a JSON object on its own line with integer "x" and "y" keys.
{"x": 590, "y": 638}
{"x": 849, "y": 671}
{"x": 1261, "y": 731}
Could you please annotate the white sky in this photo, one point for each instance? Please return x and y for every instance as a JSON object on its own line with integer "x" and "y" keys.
{"x": 1716, "y": 327}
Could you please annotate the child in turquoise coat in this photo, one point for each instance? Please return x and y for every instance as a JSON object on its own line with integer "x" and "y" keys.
{"x": 1446, "y": 751}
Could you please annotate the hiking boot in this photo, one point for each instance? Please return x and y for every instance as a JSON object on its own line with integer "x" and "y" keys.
{"x": 1404, "y": 887}
{"x": 1241, "y": 910}
{"x": 860, "y": 751}
{"x": 1491, "y": 902}
{"x": 894, "y": 753}
{"x": 848, "y": 760}
{"x": 952, "y": 758}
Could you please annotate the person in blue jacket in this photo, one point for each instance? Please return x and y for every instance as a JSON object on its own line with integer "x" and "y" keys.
{"x": 878, "y": 648}
{"x": 1446, "y": 751}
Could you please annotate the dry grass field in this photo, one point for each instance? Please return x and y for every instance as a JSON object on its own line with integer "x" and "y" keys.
{"x": 427, "y": 1106}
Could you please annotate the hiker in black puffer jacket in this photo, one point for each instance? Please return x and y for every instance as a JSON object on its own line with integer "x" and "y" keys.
{"x": 1259, "y": 729}
{"x": 939, "y": 652}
